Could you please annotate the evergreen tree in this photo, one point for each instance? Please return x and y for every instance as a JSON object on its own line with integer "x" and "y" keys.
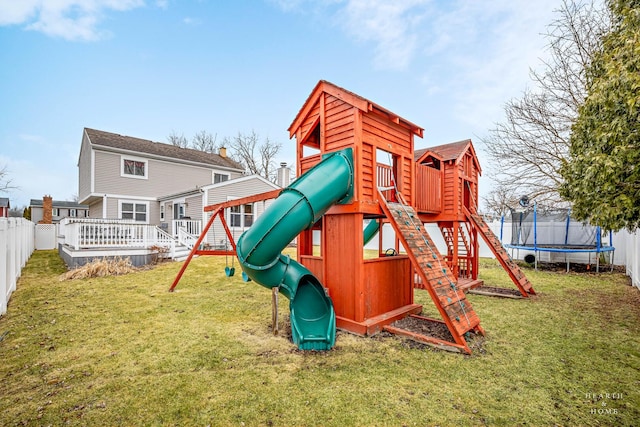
{"x": 602, "y": 174}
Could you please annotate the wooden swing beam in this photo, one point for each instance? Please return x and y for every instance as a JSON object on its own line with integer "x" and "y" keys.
{"x": 218, "y": 210}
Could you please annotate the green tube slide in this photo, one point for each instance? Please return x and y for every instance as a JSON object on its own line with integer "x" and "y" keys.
{"x": 298, "y": 207}
{"x": 370, "y": 230}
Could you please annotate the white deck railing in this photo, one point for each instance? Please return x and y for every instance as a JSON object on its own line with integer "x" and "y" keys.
{"x": 91, "y": 233}
{"x": 191, "y": 226}
{"x": 187, "y": 239}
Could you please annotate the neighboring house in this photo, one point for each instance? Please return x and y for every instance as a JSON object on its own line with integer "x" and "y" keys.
{"x": 4, "y": 207}
{"x": 59, "y": 210}
{"x": 188, "y": 206}
{"x": 127, "y": 178}
{"x": 122, "y": 177}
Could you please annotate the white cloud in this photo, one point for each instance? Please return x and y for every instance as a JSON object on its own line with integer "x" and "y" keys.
{"x": 476, "y": 52}
{"x": 67, "y": 19}
{"x": 35, "y": 179}
{"x": 17, "y": 12}
{"x": 30, "y": 138}
{"x": 190, "y": 21}
{"x": 486, "y": 50}
{"x": 393, "y": 26}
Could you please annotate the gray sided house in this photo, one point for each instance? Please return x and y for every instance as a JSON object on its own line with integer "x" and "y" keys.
{"x": 59, "y": 210}
{"x": 147, "y": 198}
{"x": 188, "y": 206}
{"x": 122, "y": 177}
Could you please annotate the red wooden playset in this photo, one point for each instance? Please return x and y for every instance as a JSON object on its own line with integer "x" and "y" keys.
{"x": 392, "y": 183}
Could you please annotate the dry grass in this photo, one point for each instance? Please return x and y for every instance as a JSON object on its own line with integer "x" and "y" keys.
{"x": 101, "y": 268}
{"x": 124, "y": 351}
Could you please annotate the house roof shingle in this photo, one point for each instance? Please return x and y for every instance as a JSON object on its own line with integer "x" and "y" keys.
{"x": 129, "y": 143}
{"x": 59, "y": 204}
{"x": 352, "y": 99}
{"x": 4, "y": 202}
{"x": 449, "y": 151}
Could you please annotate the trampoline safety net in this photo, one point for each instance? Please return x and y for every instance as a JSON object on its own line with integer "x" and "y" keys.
{"x": 553, "y": 229}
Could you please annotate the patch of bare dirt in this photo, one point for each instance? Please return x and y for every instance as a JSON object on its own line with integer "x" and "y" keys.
{"x": 509, "y": 292}
{"x": 420, "y": 326}
{"x": 577, "y": 267}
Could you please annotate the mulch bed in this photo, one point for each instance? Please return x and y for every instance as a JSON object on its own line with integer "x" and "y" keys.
{"x": 429, "y": 328}
{"x": 507, "y": 292}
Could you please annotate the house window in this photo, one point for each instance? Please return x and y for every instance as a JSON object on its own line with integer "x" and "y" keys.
{"x": 220, "y": 177}
{"x": 178, "y": 210}
{"x": 135, "y": 211}
{"x": 55, "y": 212}
{"x": 134, "y": 168}
{"x": 241, "y": 216}
{"x": 73, "y": 213}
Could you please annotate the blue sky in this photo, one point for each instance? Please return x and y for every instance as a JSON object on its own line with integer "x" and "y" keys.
{"x": 150, "y": 68}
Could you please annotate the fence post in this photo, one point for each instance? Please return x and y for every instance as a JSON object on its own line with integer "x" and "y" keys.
{"x": 11, "y": 259}
{"x": 635, "y": 254}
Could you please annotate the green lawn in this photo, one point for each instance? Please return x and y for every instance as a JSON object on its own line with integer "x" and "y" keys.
{"x": 124, "y": 351}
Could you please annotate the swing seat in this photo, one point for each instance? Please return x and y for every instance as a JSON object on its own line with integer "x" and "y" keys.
{"x": 245, "y": 277}
{"x": 229, "y": 271}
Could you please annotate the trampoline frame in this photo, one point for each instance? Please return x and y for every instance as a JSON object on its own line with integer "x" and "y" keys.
{"x": 566, "y": 248}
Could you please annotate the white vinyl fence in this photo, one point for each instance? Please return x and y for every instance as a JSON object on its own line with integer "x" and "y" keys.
{"x": 630, "y": 257}
{"x": 16, "y": 246}
{"x": 627, "y": 251}
{"x": 627, "y": 247}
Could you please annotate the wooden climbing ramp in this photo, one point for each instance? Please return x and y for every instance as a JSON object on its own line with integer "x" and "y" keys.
{"x": 515, "y": 273}
{"x": 456, "y": 311}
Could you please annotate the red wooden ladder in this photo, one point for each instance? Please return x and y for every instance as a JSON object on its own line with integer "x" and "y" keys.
{"x": 515, "y": 273}
{"x": 437, "y": 278}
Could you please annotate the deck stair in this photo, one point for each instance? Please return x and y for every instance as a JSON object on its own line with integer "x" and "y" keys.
{"x": 436, "y": 276}
{"x": 515, "y": 273}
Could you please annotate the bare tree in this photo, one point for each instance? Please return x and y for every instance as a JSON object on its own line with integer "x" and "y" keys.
{"x": 16, "y": 212}
{"x": 528, "y": 149}
{"x": 257, "y": 157}
{"x": 177, "y": 140}
{"x": 5, "y": 182}
{"x": 501, "y": 200}
{"x": 204, "y": 141}
{"x": 268, "y": 152}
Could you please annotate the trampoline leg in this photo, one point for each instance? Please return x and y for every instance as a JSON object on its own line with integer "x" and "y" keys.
{"x": 611, "y": 258}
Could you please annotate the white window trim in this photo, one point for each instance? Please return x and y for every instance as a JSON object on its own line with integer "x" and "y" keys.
{"x": 184, "y": 208}
{"x": 135, "y": 202}
{"x": 242, "y": 226}
{"x": 73, "y": 213}
{"x": 213, "y": 177}
{"x": 137, "y": 159}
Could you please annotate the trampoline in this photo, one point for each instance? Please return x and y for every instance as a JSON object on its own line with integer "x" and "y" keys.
{"x": 555, "y": 231}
